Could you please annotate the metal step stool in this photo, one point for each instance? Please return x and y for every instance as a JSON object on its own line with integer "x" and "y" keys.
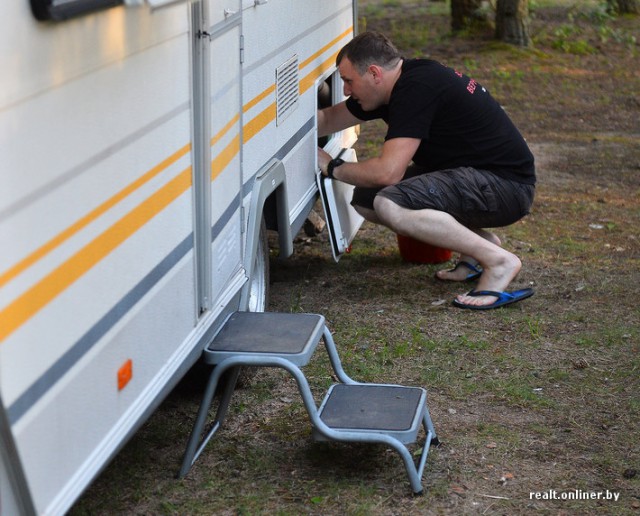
{"x": 350, "y": 412}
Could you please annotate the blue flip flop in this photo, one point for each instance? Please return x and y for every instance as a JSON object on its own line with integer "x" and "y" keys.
{"x": 475, "y": 273}
{"x": 504, "y": 298}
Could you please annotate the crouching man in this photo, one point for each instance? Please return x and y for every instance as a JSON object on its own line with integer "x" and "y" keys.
{"x": 452, "y": 163}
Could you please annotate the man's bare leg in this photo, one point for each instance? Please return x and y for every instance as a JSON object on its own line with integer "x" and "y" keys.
{"x": 461, "y": 273}
{"x": 458, "y": 275}
{"x": 368, "y": 214}
{"x": 441, "y": 229}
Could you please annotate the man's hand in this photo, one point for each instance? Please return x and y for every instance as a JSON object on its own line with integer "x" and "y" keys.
{"x": 323, "y": 160}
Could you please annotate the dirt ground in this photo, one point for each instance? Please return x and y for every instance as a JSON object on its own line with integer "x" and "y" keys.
{"x": 540, "y": 397}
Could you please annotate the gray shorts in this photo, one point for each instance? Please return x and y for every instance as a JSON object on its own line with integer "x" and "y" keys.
{"x": 476, "y": 198}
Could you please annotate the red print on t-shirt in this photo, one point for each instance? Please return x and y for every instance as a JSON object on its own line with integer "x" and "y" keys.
{"x": 471, "y": 87}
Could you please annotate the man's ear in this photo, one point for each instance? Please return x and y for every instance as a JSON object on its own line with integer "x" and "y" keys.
{"x": 376, "y": 72}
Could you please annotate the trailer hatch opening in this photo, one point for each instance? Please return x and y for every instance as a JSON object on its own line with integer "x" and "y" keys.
{"x": 342, "y": 219}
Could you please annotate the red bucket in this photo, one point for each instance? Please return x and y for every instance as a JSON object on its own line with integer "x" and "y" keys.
{"x": 415, "y": 251}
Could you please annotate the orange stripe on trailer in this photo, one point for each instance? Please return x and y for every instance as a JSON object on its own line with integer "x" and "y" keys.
{"x": 255, "y": 125}
{"x": 271, "y": 89}
{"x": 37, "y": 297}
{"x": 224, "y": 130}
{"x": 327, "y": 46}
{"x": 224, "y": 158}
{"x": 310, "y": 79}
{"x": 59, "y": 239}
{"x": 258, "y": 123}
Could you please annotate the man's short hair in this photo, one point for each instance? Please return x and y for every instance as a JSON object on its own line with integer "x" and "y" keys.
{"x": 369, "y": 48}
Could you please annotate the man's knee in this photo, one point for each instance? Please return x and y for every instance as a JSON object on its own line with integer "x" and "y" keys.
{"x": 387, "y": 211}
{"x": 368, "y": 213}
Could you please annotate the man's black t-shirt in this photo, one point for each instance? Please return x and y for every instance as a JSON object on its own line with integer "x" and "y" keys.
{"x": 458, "y": 121}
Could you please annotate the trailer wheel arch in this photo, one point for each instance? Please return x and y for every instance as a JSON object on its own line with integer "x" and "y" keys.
{"x": 258, "y": 294}
{"x": 270, "y": 181}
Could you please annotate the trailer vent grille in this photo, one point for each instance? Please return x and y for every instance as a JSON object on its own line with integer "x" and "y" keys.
{"x": 287, "y": 89}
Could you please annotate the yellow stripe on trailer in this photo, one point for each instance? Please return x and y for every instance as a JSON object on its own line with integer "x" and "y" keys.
{"x": 61, "y": 278}
{"x": 37, "y": 297}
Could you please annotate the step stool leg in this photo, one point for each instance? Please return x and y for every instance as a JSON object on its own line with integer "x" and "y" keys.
{"x": 334, "y": 358}
{"x": 429, "y": 439}
{"x": 428, "y": 427}
{"x": 193, "y": 451}
{"x": 414, "y": 474}
{"x": 229, "y": 388}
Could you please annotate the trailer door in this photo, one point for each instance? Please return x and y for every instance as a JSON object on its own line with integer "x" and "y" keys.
{"x": 226, "y": 177}
{"x": 219, "y": 190}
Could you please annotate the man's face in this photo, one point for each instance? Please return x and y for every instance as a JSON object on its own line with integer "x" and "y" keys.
{"x": 361, "y": 88}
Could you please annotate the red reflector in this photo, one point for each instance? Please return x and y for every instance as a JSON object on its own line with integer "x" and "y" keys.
{"x": 124, "y": 374}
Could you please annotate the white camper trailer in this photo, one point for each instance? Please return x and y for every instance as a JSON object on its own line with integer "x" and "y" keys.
{"x": 145, "y": 145}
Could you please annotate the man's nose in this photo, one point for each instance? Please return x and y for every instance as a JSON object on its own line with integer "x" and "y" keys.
{"x": 346, "y": 90}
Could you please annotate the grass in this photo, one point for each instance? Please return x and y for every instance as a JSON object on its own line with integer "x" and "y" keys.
{"x": 540, "y": 396}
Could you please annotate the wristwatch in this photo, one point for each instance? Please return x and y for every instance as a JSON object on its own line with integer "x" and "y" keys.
{"x": 333, "y": 164}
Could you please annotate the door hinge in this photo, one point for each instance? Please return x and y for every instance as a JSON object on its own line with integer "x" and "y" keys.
{"x": 243, "y": 228}
{"x": 241, "y": 49}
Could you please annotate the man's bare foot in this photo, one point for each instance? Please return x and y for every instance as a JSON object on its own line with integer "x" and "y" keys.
{"x": 465, "y": 270}
{"x": 494, "y": 278}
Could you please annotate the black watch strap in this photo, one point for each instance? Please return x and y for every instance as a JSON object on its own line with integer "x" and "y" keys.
{"x": 332, "y": 165}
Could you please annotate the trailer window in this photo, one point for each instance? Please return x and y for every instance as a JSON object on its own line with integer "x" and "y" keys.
{"x": 64, "y": 9}
{"x": 59, "y": 10}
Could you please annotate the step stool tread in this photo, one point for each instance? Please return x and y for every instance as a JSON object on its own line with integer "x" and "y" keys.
{"x": 270, "y": 333}
{"x": 374, "y": 407}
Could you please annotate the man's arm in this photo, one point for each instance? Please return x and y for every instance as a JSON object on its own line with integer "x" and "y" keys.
{"x": 335, "y": 118}
{"x": 385, "y": 170}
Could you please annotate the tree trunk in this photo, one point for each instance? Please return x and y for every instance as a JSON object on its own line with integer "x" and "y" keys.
{"x": 463, "y": 12}
{"x": 512, "y": 22}
{"x": 624, "y": 6}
